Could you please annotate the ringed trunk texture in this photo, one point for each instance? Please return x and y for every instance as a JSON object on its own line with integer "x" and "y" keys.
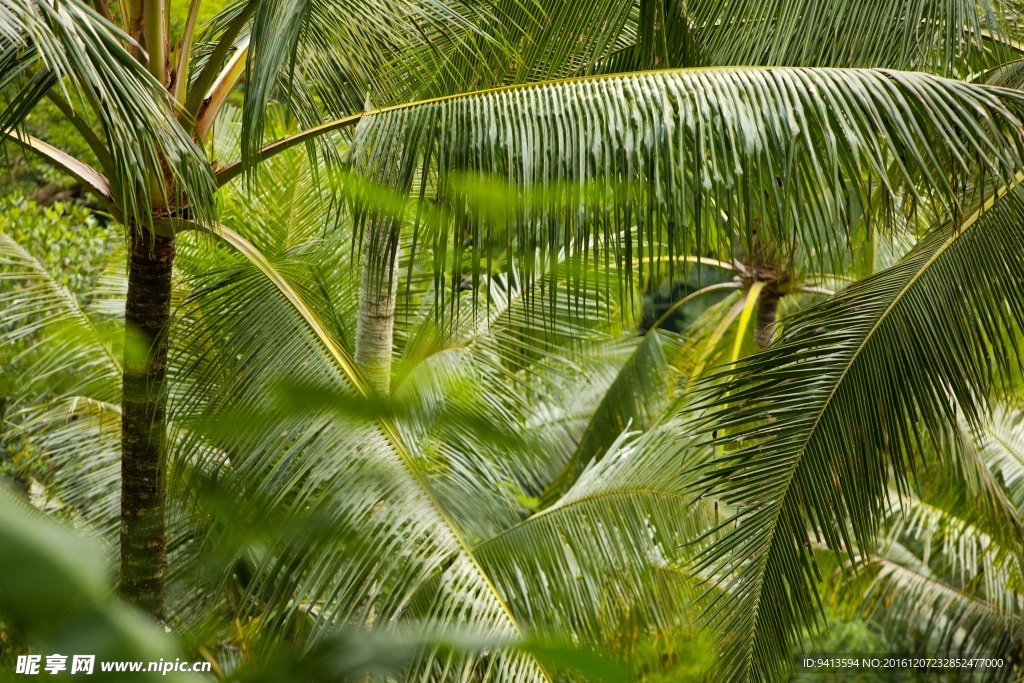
{"x": 378, "y": 292}
{"x": 767, "y": 312}
{"x": 143, "y": 426}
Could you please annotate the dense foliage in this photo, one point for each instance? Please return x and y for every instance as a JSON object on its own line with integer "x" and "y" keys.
{"x": 612, "y": 341}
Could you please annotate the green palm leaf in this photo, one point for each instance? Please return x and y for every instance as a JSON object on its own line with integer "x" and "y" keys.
{"x": 934, "y": 35}
{"x": 352, "y": 37}
{"x": 545, "y": 40}
{"x": 634, "y": 401}
{"x": 908, "y": 597}
{"x": 1007, "y": 75}
{"x": 654, "y": 166}
{"x": 609, "y": 552}
{"x": 309, "y": 465}
{"x": 1002, "y": 449}
{"x": 843, "y": 401}
{"x": 504, "y": 394}
{"x": 961, "y": 550}
{"x": 966, "y": 480}
{"x": 939, "y": 575}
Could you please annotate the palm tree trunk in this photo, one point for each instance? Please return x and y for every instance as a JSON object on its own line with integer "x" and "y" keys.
{"x": 767, "y": 312}
{"x": 143, "y": 427}
{"x": 378, "y": 292}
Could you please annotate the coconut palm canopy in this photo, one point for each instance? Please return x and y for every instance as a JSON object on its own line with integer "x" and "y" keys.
{"x": 515, "y": 341}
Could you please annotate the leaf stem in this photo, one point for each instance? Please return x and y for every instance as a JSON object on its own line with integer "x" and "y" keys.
{"x": 184, "y": 52}
{"x": 206, "y": 78}
{"x": 690, "y": 297}
{"x": 232, "y": 170}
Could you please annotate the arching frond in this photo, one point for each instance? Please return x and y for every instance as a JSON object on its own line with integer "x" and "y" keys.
{"x": 1007, "y": 75}
{"x": 955, "y": 547}
{"x": 549, "y": 40}
{"x": 916, "y": 598}
{"x": 326, "y": 459}
{"x": 962, "y": 481}
{"x": 939, "y": 576}
{"x": 350, "y": 38}
{"x": 844, "y": 400}
{"x": 610, "y": 552}
{"x": 935, "y": 35}
{"x": 511, "y": 384}
{"x": 634, "y": 401}
{"x": 946, "y": 581}
{"x": 653, "y": 166}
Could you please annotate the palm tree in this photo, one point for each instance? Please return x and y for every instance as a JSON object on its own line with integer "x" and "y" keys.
{"x": 294, "y": 516}
{"x": 144, "y": 101}
{"x": 659, "y": 165}
{"x": 636, "y": 170}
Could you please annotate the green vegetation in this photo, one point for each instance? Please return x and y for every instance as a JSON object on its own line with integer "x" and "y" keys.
{"x": 447, "y": 341}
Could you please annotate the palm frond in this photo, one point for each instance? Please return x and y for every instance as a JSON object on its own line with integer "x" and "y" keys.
{"x": 494, "y": 398}
{"x": 945, "y": 581}
{"x": 921, "y": 599}
{"x": 1007, "y": 75}
{"x": 1002, "y": 450}
{"x": 935, "y": 35}
{"x": 351, "y": 36}
{"x": 545, "y": 40}
{"x": 650, "y": 167}
{"x": 610, "y": 552}
{"x": 634, "y": 401}
{"x": 964, "y": 481}
{"x": 953, "y": 545}
{"x": 844, "y": 400}
{"x": 905, "y": 597}
{"x": 310, "y": 464}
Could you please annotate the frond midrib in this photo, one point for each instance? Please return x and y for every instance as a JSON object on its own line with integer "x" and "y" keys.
{"x": 1013, "y": 622}
{"x": 388, "y": 429}
{"x": 518, "y": 87}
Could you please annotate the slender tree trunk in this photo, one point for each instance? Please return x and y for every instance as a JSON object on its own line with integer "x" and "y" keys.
{"x": 378, "y": 292}
{"x": 767, "y": 312}
{"x": 764, "y": 268}
{"x": 143, "y": 427}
